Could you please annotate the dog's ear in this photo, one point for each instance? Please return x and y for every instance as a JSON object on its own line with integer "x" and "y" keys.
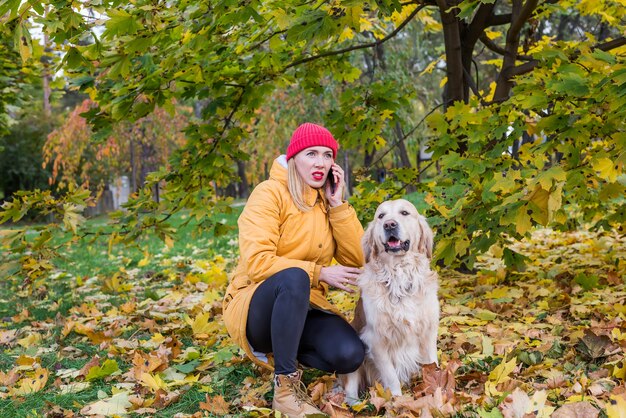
{"x": 369, "y": 246}
{"x": 425, "y": 244}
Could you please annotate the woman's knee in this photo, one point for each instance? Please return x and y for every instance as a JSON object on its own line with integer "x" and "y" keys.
{"x": 295, "y": 280}
{"x": 349, "y": 355}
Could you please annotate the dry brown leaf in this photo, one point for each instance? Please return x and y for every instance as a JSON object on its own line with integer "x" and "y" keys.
{"x": 336, "y": 411}
{"x": 95, "y": 361}
{"x": 148, "y": 363}
{"x": 435, "y": 378}
{"x": 515, "y": 404}
{"x": 9, "y": 378}
{"x": 163, "y": 398}
{"x": 576, "y": 410}
{"x": 7, "y": 337}
{"x": 215, "y": 404}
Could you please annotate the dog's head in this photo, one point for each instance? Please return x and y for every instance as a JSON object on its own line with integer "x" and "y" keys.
{"x": 396, "y": 230}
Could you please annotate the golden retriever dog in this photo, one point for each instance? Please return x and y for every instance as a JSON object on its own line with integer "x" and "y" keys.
{"x": 397, "y": 315}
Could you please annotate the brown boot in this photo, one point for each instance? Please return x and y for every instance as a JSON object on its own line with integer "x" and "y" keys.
{"x": 290, "y": 397}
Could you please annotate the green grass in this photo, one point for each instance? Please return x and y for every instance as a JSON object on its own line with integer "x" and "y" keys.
{"x": 90, "y": 262}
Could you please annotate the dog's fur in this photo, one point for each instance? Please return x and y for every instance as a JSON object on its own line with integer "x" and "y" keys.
{"x": 397, "y": 315}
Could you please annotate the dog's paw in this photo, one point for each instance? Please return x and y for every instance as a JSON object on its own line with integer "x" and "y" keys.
{"x": 352, "y": 401}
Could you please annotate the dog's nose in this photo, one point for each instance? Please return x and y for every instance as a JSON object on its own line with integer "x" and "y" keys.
{"x": 389, "y": 225}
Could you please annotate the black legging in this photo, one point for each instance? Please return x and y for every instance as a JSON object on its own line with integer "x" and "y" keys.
{"x": 280, "y": 322}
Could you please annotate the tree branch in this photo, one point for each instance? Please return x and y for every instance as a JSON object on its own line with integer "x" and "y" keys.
{"x": 479, "y": 23}
{"x": 605, "y": 46}
{"x": 516, "y": 26}
{"x": 357, "y": 47}
{"x": 395, "y": 143}
{"x": 502, "y": 19}
{"x": 491, "y": 45}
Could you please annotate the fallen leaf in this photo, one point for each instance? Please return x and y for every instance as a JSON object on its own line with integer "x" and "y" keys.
{"x": 35, "y": 382}
{"x": 576, "y": 410}
{"x": 594, "y": 346}
{"x": 164, "y": 398}
{"x": 515, "y": 405}
{"x": 336, "y": 411}
{"x": 117, "y": 404}
{"x": 215, "y": 404}
{"x": 7, "y": 337}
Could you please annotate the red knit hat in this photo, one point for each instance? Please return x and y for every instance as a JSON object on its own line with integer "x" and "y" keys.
{"x": 311, "y": 135}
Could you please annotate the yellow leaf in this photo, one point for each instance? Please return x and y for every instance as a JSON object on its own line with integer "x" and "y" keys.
{"x": 143, "y": 262}
{"x": 30, "y": 340}
{"x": 153, "y": 382}
{"x": 502, "y": 371}
{"x": 31, "y": 384}
{"x": 498, "y": 293}
{"x": 522, "y": 221}
{"x": 203, "y": 325}
{"x": 606, "y": 169}
{"x": 492, "y": 34}
{"x": 346, "y": 34}
{"x": 619, "y": 370}
{"x": 616, "y": 408}
{"x": 115, "y": 405}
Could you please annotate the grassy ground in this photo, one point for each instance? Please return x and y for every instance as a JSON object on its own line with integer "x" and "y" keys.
{"x": 138, "y": 332}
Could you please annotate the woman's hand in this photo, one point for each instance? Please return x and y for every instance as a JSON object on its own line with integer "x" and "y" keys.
{"x": 340, "y": 276}
{"x": 336, "y": 198}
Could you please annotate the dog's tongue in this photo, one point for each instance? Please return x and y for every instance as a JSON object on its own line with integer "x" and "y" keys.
{"x": 393, "y": 242}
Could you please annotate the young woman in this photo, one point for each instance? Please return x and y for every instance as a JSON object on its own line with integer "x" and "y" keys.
{"x": 291, "y": 228}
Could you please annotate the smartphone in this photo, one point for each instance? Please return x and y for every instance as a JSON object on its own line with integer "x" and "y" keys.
{"x": 331, "y": 181}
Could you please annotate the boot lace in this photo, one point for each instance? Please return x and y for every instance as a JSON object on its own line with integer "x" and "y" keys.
{"x": 299, "y": 390}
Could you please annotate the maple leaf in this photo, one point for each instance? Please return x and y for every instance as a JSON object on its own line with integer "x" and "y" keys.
{"x": 117, "y": 404}
{"x": 594, "y": 346}
{"x": 379, "y": 396}
{"x": 203, "y": 325}
{"x": 216, "y": 405}
{"x": 164, "y": 398}
{"x": 7, "y": 337}
{"x": 576, "y": 410}
{"x": 434, "y": 378}
{"x": 498, "y": 375}
{"x": 35, "y": 382}
{"x": 143, "y": 363}
{"x": 106, "y": 369}
{"x": 152, "y": 381}
{"x": 336, "y": 410}
{"x": 94, "y": 362}
{"x": 9, "y": 378}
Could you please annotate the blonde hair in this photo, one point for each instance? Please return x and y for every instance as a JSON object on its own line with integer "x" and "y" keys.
{"x": 296, "y": 186}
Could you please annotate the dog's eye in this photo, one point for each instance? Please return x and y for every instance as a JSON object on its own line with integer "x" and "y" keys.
{"x": 381, "y": 216}
{"x": 404, "y": 213}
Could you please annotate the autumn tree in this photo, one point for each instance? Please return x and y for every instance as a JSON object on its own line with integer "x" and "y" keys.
{"x": 133, "y": 149}
{"x": 513, "y": 70}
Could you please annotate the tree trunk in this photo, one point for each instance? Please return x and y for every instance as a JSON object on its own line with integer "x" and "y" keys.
{"x": 452, "y": 41}
{"x": 47, "y": 110}
{"x": 133, "y": 166}
{"x": 244, "y": 190}
{"x": 520, "y": 14}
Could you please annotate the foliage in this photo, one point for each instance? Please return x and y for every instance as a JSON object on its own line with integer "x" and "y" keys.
{"x": 232, "y": 57}
{"x": 20, "y": 159}
{"x": 570, "y": 173}
{"x": 75, "y": 159}
{"x": 138, "y": 331}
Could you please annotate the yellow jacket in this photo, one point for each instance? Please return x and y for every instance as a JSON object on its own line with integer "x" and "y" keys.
{"x": 274, "y": 235}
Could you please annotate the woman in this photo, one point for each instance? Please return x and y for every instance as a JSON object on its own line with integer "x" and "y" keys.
{"x": 291, "y": 228}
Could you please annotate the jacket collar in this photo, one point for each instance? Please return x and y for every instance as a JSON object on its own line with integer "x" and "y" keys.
{"x": 279, "y": 172}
